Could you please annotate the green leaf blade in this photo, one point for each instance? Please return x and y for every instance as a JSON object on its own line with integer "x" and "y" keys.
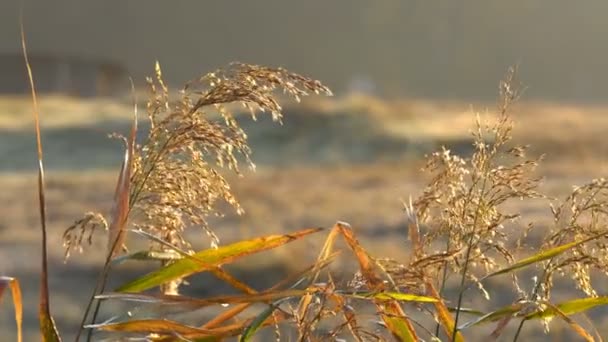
{"x": 213, "y": 258}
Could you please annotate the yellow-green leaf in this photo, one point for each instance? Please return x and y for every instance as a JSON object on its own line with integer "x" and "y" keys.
{"x": 213, "y": 258}
{"x": 443, "y": 313}
{"x": 146, "y": 256}
{"x": 399, "y": 326}
{"x": 155, "y": 326}
{"x": 405, "y": 297}
{"x": 257, "y": 323}
{"x": 570, "y": 307}
{"x": 542, "y": 256}
{"x": 196, "y": 303}
{"x": 573, "y": 325}
{"x": 493, "y": 316}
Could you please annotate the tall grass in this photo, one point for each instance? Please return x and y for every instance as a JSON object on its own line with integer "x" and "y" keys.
{"x": 460, "y": 233}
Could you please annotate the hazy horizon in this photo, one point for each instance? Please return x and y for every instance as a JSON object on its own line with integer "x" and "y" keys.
{"x": 409, "y": 48}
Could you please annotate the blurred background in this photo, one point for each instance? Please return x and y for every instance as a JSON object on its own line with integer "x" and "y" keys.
{"x": 409, "y": 76}
{"x": 441, "y": 49}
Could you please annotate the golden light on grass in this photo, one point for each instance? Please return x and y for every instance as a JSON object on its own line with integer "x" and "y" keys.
{"x": 461, "y": 234}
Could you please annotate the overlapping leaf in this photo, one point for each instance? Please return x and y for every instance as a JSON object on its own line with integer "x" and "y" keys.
{"x": 391, "y": 312}
{"x": 542, "y": 256}
{"x": 213, "y": 258}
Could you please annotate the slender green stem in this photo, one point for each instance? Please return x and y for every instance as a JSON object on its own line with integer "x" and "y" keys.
{"x": 467, "y": 258}
{"x": 519, "y": 328}
{"x": 99, "y": 288}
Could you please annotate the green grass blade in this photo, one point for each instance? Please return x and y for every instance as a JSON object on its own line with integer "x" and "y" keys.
{"x": 213, "y": 258}
{"x": 146, "y": 256}
{"x": 542, "y": 256}
{"x": 265, "y": 296}
{"x": 399, "y": 327}
{"x": 155, "y": 326}
{"x": 467, "y": 311}
{"x": 404, "y": 297}
{"x": 493, "y": 316}
{"x": 570, "y": 307}
{"x": 257, "y": 323}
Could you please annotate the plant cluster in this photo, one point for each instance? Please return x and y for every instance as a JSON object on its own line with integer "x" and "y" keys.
{"x": 460, "y": 232}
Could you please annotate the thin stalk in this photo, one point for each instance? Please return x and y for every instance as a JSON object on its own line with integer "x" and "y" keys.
{"x": 47, "y": 325}
{"x": 545, "y": 270}
{"x": 467, "y": 258}
{"x": 99, "y": 288}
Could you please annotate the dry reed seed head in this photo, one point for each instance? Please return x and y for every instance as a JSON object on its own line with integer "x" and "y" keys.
{"x": 464, "y": 201}
{"x": 254, "y": 87}
{"x": 74, "y": 235}
{"x": 176, "y": 174}
{"x": 581, "y": 215}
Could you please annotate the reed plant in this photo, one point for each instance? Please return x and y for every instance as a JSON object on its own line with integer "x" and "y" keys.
{"x": 460, "y": 233}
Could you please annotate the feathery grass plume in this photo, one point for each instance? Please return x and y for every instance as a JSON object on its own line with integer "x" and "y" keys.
{"x": 73, "y": 236}
{"x": 462, "y": 207}
{"x": 580, "y": 216}
{"x": 176, "y": 180}
{"x": 176, "y": 185}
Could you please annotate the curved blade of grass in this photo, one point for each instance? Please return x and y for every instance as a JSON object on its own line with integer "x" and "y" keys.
{"x": 573, "y": 325}
{"x": 146, "y": 256}
{"x": 596, "y": 332}
{"x": 302, "y": 275}
{"x": 542, "y": 256}
{"x": 121, "y": 206}
{"x": 493, "y": 316}
{"x": 168, "y": 329}
{"x": 189, "y": 339}
{"x": 350, "y": 318}
{"x": 387, "y": 295}
{"x": 17, "y": 301}
{"x": 155, "y": 326}
{"x": 467, "y": 311}
{"x": 177, "y": 253}
{"x": 120, "y": 212}
{"x": 257, "y": 322}
{"x": 562, "y": 310}
{"x": 570, "y": 307}
{"x": 500, "y": 327}
{"x": 47, "y": 325}
{"x": 445, "y": 319}
{"x": 392, "y": 313}
{"x": 196, "y": 303}
{"x": 218, "y": 334}
{"x": 213, "y": 258}
{"x": 324, "y": 255}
